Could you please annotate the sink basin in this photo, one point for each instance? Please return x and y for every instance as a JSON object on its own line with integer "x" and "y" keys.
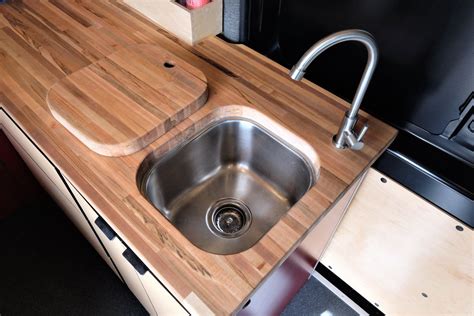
{"x": 227, "y": 186}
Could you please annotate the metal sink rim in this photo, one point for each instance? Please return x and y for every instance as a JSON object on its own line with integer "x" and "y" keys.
{"x": 153, "y": 161}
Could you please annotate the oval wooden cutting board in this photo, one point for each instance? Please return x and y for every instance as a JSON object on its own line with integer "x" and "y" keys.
{"x": 123, "y": 102}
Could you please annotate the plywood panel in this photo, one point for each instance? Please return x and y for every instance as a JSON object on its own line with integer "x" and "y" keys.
{"x": 401, "y": 252}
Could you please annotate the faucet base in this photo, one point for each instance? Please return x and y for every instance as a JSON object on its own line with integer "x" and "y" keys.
{"x": 340, "y": 139}
{"x": 346, "y": 137}
{"x": 338, "y": 142}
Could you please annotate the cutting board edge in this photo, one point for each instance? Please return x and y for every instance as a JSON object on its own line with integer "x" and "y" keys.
{"x": 130, "y": 146}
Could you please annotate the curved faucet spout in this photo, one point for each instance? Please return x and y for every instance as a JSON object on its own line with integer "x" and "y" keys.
{"x": 345, "y": 136}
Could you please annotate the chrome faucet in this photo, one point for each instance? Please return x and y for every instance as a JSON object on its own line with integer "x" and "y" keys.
{"x": 346, "y": 136}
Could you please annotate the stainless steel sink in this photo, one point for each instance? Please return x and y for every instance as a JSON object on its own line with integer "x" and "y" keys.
{"x": 225, "y": 188}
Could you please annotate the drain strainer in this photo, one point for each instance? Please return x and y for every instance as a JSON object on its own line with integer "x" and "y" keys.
{"x": 229, "y": 218}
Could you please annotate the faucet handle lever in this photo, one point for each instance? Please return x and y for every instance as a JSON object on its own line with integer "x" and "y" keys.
{"x": 362, "y": 132}
{"x": 355, "y": 141}
{"x": 352, "y": 141}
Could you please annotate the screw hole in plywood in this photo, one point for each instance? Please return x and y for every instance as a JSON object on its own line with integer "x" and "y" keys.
{"x": 247, "y": 304}
{"x": 168, "y": 64}
{"x": 424, "y": 294}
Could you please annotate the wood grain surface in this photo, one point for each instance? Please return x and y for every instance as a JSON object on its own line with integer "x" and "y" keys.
{"x": 125, "y": 101}
{"x": 41, "y": 42}
{"x": 402, "y": 253}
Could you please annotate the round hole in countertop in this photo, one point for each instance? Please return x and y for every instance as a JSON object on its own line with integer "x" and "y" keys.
{"x": 376, "y": 304}
{"x": 168, "y": 64}
{"x": 459, "y": 227}
{"x": 383, "y": 180}
{"x": 424, "y": 294}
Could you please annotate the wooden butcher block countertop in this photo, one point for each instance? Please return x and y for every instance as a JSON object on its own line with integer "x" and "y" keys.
{"x": 125, "y": 101}
{"x": 41, "y": 42}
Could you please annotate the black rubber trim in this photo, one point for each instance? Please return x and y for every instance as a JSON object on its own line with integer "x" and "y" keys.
{"x": 427, "y": 185}
{"x": 448, "y": 169}
{"x": 347, "y": 290}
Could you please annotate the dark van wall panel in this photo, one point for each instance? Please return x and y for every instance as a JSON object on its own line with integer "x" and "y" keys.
{"x": 426, "y": 69}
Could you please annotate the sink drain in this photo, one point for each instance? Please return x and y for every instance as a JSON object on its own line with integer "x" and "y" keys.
{"x": 229, "y": 218}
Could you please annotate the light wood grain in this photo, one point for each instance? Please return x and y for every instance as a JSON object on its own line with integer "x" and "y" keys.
{"x": 44, "y": 41}
{"x": 392, "y": 246}
{"x": 191, "y": 26}
{"x": 125, "y": 101}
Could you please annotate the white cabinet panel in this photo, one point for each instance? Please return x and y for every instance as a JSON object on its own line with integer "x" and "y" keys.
{"x": 164, "y": 303}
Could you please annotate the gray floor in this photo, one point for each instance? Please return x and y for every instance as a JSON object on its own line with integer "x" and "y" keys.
{"x": 316, "y": 299}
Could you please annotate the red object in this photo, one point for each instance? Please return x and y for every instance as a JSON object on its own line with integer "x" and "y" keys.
{"x": 194, "y": 4}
